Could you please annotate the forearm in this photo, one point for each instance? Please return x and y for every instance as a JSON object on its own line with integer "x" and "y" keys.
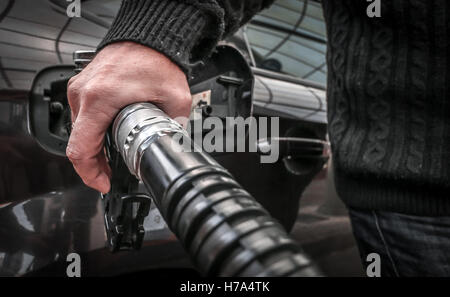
{"x": 185, "y": 31}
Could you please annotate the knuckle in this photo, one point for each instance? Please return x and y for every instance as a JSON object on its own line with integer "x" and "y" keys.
{"x": 90, "y": 91}
{"x": 181, "y": 105}
{"x": 88, "y": 181}
{"x": 72, "y": 80}
{"x": 73, "y": 153}
{"x": 73, "y": 90}
{"x": 185, "y": 98}
{"x": 188, "y": 98}
{"x": 187, "y": 103}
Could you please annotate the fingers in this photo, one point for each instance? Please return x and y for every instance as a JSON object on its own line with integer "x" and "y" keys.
{"x": 93, "y": 172}
{"x": 73, "y": 94}
{"x": 85, "y": 151}
{"x": 90, "y": 123}
{"x": 120, "y": 74}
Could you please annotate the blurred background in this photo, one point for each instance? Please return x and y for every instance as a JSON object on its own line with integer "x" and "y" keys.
{"x": 288, "y": 38}
{"x": 35, "y": 34}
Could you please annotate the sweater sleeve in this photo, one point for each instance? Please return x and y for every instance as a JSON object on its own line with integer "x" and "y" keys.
{"x": 186, "y": 31}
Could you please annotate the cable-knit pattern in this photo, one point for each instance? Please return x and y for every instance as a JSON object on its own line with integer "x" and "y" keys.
{"x": 386, "y": 123}
{"x": 338, "y": 32}
{"x": 418, "y": 83}
{"x": 439, "y": 88}
{"x": 387, "y": 87}
{"x": 186, "y": 31}
{"x": 380, "y": 67}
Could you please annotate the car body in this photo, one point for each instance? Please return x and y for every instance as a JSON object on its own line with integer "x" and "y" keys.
{"x": 47, "y": 213}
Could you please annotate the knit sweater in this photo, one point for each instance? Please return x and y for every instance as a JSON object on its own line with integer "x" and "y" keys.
{"x": 388, "y": 87}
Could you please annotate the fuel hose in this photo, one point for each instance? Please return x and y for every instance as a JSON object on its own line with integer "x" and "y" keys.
{"x": 223, "y": 228}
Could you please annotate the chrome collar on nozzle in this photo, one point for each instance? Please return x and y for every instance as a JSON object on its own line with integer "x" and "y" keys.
{"x": 136, "y": 127}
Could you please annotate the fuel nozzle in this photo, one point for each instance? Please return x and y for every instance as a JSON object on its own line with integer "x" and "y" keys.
{"x": 82, "y": 58}
{"x": 125, "y": 208}
{"x": 225, "y": 230}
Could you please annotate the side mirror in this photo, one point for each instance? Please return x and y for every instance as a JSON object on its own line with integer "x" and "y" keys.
{"x": 272, "y": 64}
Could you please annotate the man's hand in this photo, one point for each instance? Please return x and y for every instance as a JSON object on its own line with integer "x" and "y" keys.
{"x": 121, "y": 74}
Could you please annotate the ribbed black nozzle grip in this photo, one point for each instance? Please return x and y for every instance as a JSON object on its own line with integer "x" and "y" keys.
{"x": 225, "y": 230}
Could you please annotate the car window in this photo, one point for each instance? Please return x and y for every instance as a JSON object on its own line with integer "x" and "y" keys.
{"x": 290, "y": 38}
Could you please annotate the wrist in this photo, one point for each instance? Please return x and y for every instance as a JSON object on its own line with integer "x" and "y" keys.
{"x": 174, "y": 28}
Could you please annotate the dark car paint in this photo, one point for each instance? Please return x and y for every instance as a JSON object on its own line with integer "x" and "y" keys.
{"x": 46, "y": 212}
